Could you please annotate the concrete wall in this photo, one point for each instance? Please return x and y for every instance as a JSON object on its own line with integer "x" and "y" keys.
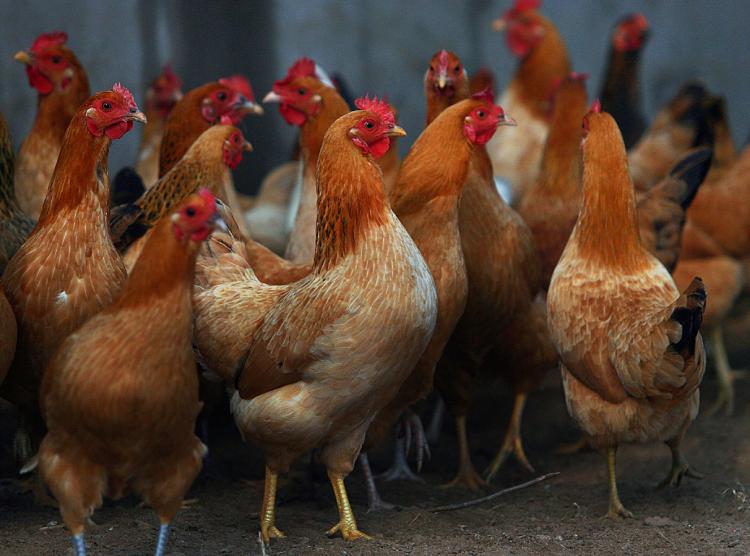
{"x": 380, "y": 46}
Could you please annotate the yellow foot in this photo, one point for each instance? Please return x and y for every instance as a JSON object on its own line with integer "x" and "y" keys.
{"x": 512, "y": 445}
{"x": 348, "y": 532}
{"x": 678, "y": 471}
{"x": 268, "y": 532}
{"x": 617, "y": 511}
{"x": 570, "y": 448}
{"x": 467, "y": 478}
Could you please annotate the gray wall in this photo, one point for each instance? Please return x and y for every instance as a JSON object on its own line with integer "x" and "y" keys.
{"x": 380, "y": 46}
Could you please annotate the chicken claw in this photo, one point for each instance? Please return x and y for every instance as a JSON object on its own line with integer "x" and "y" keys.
{"x": 466, "y": 475}
{"x": 512, "y": 444}
{"x": 268, "y": 528}
{"x": 411, "y": 429}
{"x": 616, "y": 509}
{"x": 374, "y": 501}
{"x": 347, "y": 525}
{"x": 725, "y": 374}
{"x": 680, "y": 468}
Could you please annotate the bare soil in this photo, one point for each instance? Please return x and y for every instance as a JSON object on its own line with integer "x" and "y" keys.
{"x": 559, "y": 516}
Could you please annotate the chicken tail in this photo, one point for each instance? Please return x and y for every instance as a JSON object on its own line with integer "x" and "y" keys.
{"x": 688, "y": 312}
{"x": 30, "y": 465}
{"x": 692, "y": 170}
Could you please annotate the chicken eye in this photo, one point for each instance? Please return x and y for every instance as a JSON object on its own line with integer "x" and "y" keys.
{"x": 368, "y": 124}
{"x": 106, "y": 106}
{"x": 56, "y": 59}
{"x": 432, "y": 69}
{"x": 190, "y": 211}
{"x": 302, "y": 91}
{"x": 221, "y": 95}
{"x": 480, "y": 113}
{"x": 236, "y": 138}
{"x": 457, "y": 68}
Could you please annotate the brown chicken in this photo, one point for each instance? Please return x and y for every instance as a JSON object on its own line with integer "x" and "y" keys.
{"x": 161, "y": 97}
{"x": 306, "y": 101}
{"x": 535, "y": 41}
{"x": 62, "y": 86}
{"x": 8, "y": 335}
{"x": 445, "y": 83}
{"x": 267, "y": 218}
{"x": 684, "y": 123}
{"x": 68, "y": 268}
{"x": 15, "y": 225}
{"x": 621, "y": 90}
{"x": 632, "y": 356}
{"x": 426, "y": 200}
{"x": 319, "y": 358}
{"x": 207, "y": 162}
{"x": 482, "y": 80}
{"x": 118, "y": 423}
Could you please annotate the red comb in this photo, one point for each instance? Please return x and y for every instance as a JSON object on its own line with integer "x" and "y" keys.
{"x": 45, "y": 40}
{"x": 596, "y": 107}
{"x": 485, "y": 95}
{"x": 226, "y": 120}
{"x": 443, "y": 58}
{"x": 379, "y": 107}
{"x": 304, "y": 67}
{"x": 240, "y": 84}
{"x": 127, "y": 95}
{"x": 207, "y": 197}
{"x": 170, "y": 76}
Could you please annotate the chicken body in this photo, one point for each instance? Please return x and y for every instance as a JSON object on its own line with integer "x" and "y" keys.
{"x": 8, "y": 335}
{"x": 15, "y": 225}
{"x": 633, "y": 363}
{"x": 118, "y": 423}
{"x": 267, "y": 218}
{"x": 329, "y": 351}
{"x": 62, "y": 88}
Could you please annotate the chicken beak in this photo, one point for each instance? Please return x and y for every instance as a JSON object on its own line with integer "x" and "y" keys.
{"x": 23, "y": 57}
{"x": 507, "y": 120}
{"x": 137, "y": 116}
{"x": 272, "y": 97}
{"x": 246, "y": 146}
{"x": 249, "y": 106}
{"x": 499, "y": 25}
{"x": 396, "y": 131}
{"x": 442, "y": 79}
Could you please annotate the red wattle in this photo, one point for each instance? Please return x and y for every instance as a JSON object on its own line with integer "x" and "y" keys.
{"x": 292, "y": 115}
{"x": 39, "y": 81}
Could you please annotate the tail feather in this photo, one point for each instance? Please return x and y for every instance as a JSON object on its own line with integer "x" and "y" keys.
{"x": 692, "y": 169}
{"x": 688, "y": 312}
{"x": 127, "y": 187}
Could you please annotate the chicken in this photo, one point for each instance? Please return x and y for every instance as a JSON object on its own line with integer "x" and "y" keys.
{"x": 533, "y": 39}
{"x": 161, "y": 97}
{"x": 445, "y": 83}
{"x": 8, "y": 335}
{"x": 118, "y": 423}
{"x": 684, "y": 123}
{"x": 68, "y": 268}
{"x": 621, "y": 90}
{"x": 550, "y": 206}
{"x": 313, "y": 362}
{"x": 208, "y": 161}
{"x": 481, "y": 80}
{"x": 426, "y": 200}
{"x": 629, "y": 342}
{"x": 62, "y": 86}
{"x": 15, "y": 225}
{"x": 306, "y": 100}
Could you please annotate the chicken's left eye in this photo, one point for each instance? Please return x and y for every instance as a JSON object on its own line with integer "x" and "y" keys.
{"x": 222, "y": 96}
{"x": 457, "y": 69}
{"x": 369, "y": 124}
{"x": 480, "y": 114}
{"x": 106, "y": 106}
{"x": 56, "y": 59}
{"x": 236, "y": 139}
{"x": 302, "y": 91}
{"x": 190, "y": 211}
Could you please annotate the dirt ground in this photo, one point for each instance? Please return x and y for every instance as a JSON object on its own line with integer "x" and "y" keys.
{"x": 559, "y": 516}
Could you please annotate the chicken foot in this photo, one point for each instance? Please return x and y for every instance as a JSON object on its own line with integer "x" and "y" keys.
{"x": 411, "y": 429}
{"x": 680, "y": 467}
{"x": 347, "y": 525}
{"x": 725, "y": 374}
{"x": 466, "y": 476}
{"x": 616, "y": 509}
{"x": 268, "y": 528}
{"x": 161, "y": 541}
{"x": 374, "y": 501}
{"x": 79, "y": 545}
{"x": 512, "y": 443}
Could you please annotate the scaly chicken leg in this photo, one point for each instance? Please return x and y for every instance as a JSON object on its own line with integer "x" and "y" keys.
{"x": 79, "y": 545}
{"x": 512, "y": 442}
{"x": 616, "y": 509}
{"x": 347, "y": 524}
{"x": 374, "y": 501}
{"x": 161, "y": 542}
{"x": 268, "y": 529}
{"x": 411, "y": 428}
{"x": 680, "y": 467}
{"x": 725, "y": 373}
{"x": 466, "y": 475}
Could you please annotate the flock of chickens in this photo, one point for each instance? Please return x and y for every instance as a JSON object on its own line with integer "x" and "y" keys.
{"x": 397, "y": 276}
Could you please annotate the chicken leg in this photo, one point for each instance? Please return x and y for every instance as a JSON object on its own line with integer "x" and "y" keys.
{"x": 161, "y": 542}
{"x": 435, "y": 428}
{"x": 616, "y": 509}
{"x": 411, "y": 429}
{"x": 347, "y": 525}
{"x": 268, "y": 528}
{"x": 466, "y": 475}
{"x": 512, "y": 442}
{"x": 79, "y": 545}
{"x": 725, "y": 374}
{"x": 680, "y": 467}
{"x": 374, "y": 501}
